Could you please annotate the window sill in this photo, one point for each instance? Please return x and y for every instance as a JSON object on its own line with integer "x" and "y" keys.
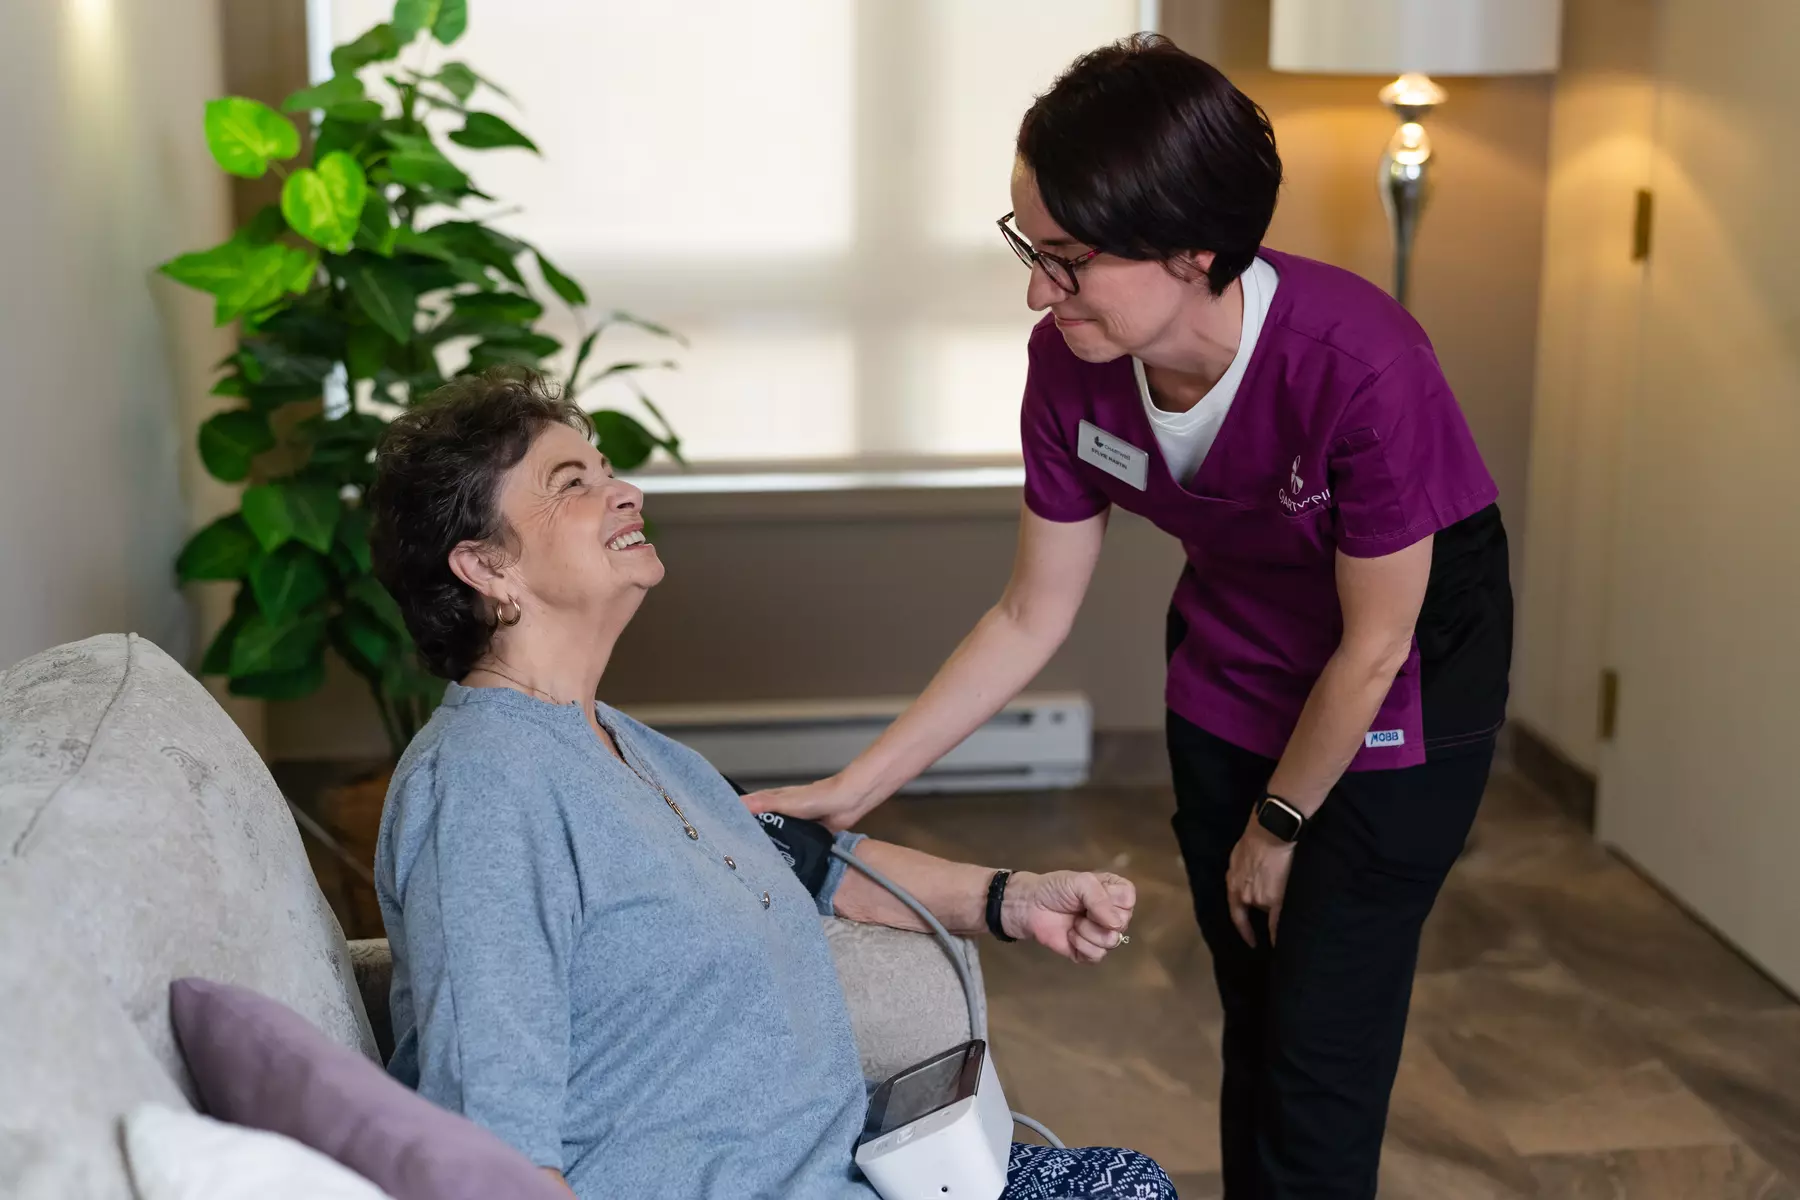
{"x": 839, "y": 491}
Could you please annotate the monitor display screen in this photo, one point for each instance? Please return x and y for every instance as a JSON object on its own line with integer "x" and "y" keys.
{"x": 924, "y": 1089}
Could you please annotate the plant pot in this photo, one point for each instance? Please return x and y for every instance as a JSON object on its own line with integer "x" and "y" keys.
{"x": 343, "y": 849}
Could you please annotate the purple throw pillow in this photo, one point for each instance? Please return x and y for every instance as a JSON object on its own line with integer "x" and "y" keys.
{"x": 260, "y": 1064}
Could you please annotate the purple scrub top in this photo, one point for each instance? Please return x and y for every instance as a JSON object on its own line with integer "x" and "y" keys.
{"x": 1343, "y": 436}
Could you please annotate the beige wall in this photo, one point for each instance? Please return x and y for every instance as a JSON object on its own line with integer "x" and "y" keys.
{"x": 106, "y": 368}
{"x": 813, "y": 606}
{"x": 1588, "y": 349}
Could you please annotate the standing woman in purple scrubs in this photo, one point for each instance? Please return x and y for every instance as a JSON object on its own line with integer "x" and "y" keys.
{"x": 1339, "y": 641}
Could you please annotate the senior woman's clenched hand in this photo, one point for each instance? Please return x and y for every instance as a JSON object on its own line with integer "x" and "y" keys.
{"x": 1081, "y": 915}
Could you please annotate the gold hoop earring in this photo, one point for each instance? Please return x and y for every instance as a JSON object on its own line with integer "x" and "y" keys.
{"x": 517, "y": 615}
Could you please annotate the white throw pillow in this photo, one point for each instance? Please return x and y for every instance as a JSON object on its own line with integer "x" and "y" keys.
{"x": 185, "y": 1156}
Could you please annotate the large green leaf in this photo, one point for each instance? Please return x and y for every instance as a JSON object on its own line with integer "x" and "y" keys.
{"x": 458, "y": 240}
{"x": 367, "y": 644}
{"x": 324, "y": 204}
{"x": 288, "y": 581}
{"x": 559, "y": 283}
{"x": 364, "y": 641}
{"x": 245, "y": 136}
{"x": 340, "y": 132}
{"x": 353, "y": 538}
{"x": 230, "y": 441}
{"x": 302, "y": 267}
{"x": 385, "y": 294}
{"x": 498, "y": 308}
{"x": 281, "y": 512}
{"x": 282, "y": 685}
{"x": 243, "y": 277}
{"x": 263, "y": 228}
{"x": 269, "y": 360}
{"x": 368, "y": 592}
{"x": 377, "y": 45}
{"x": 528, "y": 350}
{"x": 540, "y": 344}
{"x": 452, "y": 21}
{"x": 368, "y": 351}
{"x": 485, "y": 131}
{"x": 417, "y": 162}
{"x": 334, "y": 92}
{"x": 459, "y": 79}
{"x": 411, "y": 16}
{"x": 217, "y": 660}
{"x": 265, "y": 644}
{"x": 623, "y": 439}
{"x": 343, "y": 439}
{"x": 222, "y": 550}
{"x": 376, "y": 229}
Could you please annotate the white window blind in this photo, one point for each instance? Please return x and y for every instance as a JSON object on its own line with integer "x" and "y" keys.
{"x": 806, "y": 189}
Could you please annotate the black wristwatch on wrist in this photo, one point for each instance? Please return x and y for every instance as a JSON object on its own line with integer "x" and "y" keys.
{"x": 1280, "y": 818}
{"x": 995, "y": 897}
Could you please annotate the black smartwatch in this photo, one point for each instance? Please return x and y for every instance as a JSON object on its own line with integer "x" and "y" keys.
{"x": 1280, "y": 818}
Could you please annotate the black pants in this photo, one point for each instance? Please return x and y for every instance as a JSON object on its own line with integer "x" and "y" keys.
{"x": 1313, "y": 1025}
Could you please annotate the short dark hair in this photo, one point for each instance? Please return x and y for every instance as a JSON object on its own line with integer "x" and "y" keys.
{"x": 437, "y": 485}
{"x": 1144, "y": 151}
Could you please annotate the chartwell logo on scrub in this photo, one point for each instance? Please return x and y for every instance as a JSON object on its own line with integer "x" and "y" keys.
{"x": 1291, "y": 497}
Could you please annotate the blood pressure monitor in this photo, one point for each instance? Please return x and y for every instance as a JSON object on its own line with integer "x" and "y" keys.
{"x": 940, "y": 1130}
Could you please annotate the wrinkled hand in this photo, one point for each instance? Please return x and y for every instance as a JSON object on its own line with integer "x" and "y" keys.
{"x": 1258, "y": 878}
{"x": 1079, "y": 914}
{"x": 827, "y": 802}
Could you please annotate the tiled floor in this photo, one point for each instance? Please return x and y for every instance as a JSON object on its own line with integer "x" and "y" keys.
{"x": 1574, "y": 1034}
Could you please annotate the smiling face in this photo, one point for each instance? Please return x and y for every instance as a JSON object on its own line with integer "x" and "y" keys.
{"x": 1125, "y": 306}
{"x": 578, "y": 532}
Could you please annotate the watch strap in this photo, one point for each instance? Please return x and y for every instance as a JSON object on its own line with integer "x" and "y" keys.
{"x": 1288, "y": 830}
{"x": 996, "y": 895}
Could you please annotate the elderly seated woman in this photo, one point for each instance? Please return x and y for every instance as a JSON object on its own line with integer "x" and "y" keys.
{"x": 598, "y": 954}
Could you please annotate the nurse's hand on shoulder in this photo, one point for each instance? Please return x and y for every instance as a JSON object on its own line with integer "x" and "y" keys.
{"x": 828, "y": 802}
{"x": 1258, "y": 878}
{"x": 1081, "y": 915}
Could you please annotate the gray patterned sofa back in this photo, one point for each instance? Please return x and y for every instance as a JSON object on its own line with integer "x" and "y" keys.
{"x": 141, "y": 839}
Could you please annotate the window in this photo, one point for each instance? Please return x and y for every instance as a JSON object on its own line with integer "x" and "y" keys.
{"x": 806, "y": 189}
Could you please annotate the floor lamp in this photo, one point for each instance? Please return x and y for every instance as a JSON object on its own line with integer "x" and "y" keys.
{"x": 1413, "y": 39}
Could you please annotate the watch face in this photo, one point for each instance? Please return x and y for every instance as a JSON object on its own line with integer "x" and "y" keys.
{"x": 1279, "y": 820}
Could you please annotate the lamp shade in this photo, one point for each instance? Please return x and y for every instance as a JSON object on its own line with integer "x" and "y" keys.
{"x": 1432, "y": 37}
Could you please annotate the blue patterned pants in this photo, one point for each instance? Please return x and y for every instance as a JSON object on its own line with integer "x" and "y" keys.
{"x": 1088, "y": 1173}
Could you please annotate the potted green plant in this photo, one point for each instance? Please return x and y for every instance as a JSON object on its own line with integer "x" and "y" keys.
{"x": 375, "y": 269}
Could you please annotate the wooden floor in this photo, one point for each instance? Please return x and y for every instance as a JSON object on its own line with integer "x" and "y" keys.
{"x": 1574, "y": 1034}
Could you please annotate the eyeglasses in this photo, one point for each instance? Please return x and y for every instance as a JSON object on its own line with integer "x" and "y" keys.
{"x": 1060, "y": 270}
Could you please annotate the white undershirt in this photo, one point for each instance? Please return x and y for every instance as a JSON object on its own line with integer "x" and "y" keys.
{"x": 1185, "y": 437}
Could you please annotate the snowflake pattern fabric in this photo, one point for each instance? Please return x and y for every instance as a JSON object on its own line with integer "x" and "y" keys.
{"x": 1089, "y": 1173}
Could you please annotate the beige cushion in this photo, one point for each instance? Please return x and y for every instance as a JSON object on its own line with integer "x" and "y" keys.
{"x": 906, "y": 1003}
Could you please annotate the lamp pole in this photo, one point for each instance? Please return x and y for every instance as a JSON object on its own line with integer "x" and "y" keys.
{"x": 1405, "y": 174}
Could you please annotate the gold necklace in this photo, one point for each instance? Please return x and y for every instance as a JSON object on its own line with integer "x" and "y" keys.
{"x": 693, "y": 834}
{"x": 523, "y": 684}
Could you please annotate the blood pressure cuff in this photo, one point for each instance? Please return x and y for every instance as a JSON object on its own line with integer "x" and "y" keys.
{"x": 804, "y": 845}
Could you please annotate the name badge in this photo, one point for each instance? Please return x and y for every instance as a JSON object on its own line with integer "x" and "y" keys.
{"x": 1376, "y": 739}
{"x": 1114, "y": 455}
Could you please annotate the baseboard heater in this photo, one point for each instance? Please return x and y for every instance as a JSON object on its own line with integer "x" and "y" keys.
{"x": 1038, "y": 741}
